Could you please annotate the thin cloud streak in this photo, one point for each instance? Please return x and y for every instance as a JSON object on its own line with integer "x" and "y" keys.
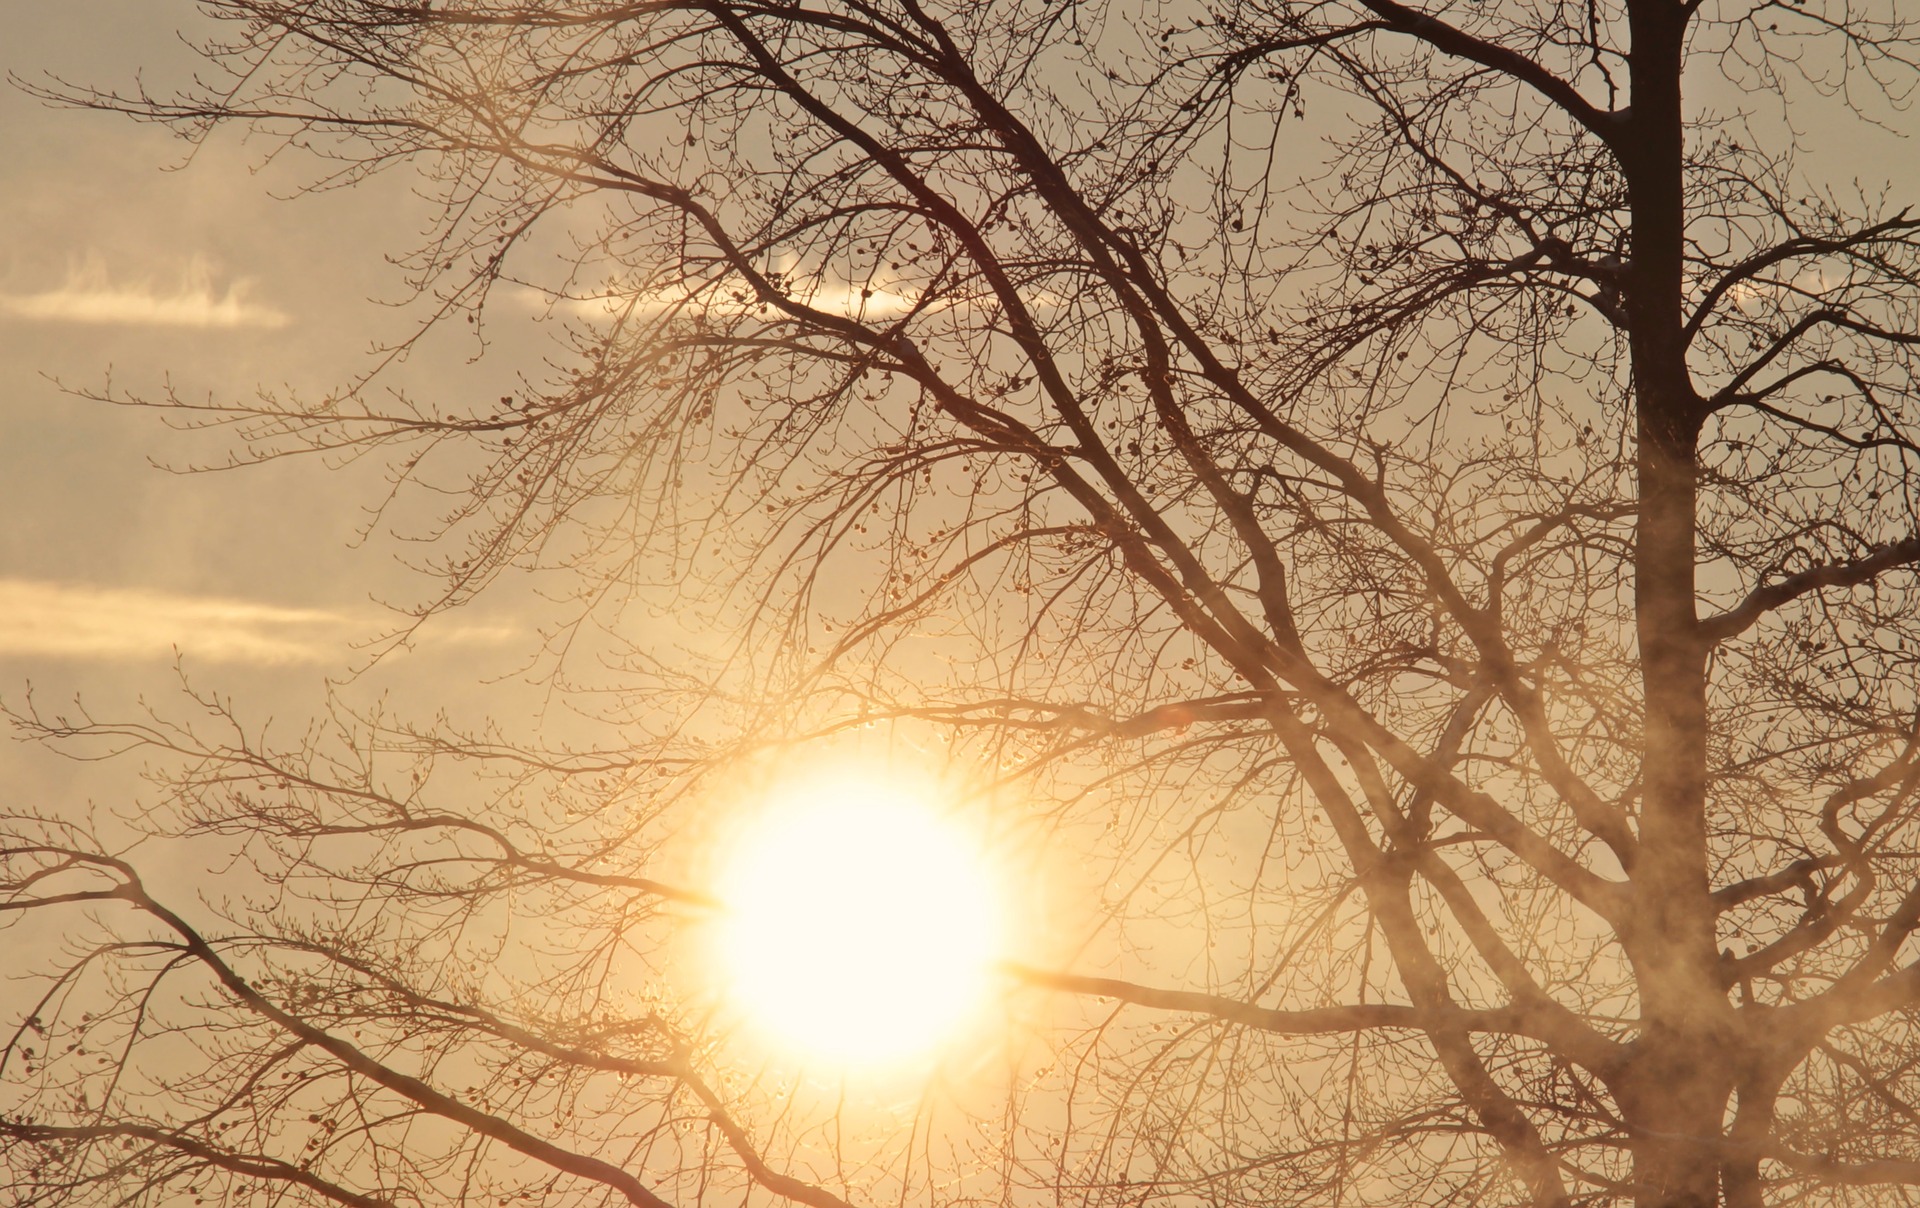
{"x": 71, "y": 621}
{"x": 90, "y": 296}
{"x": 878, "y": 303}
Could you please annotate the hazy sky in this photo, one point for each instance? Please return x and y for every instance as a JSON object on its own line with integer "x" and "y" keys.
{"x": 202, "y": 277}
{"x": 136, "y": 265}
{"x": 115, "y": 266}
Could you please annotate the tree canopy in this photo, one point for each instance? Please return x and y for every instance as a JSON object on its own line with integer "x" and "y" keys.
{"x": 1417, "y": 501}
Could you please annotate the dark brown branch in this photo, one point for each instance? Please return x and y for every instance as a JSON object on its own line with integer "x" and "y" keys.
{"x": 1793, "y": 249}
{"x": 1763, "y": 600}
{"x": 352, "y": 1058}
{"x": 248, "y": 1165}
{"x": 1610, "y": 127}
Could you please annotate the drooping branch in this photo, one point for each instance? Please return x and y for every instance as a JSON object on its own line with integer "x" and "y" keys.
{"x": 265, "y": 1168}
{"x": 1454, "y": 41}
{"x": 130, "y": 890}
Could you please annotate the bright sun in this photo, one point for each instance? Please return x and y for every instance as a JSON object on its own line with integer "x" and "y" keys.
{"x": 858, "y": 924}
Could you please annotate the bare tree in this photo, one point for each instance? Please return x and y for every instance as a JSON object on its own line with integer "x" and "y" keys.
{"x": 1423, "y": 494}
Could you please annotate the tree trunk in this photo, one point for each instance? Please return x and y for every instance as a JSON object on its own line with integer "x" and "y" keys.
{"x": 1677, "y": 1091}
{"x": 1674, "y": 1098}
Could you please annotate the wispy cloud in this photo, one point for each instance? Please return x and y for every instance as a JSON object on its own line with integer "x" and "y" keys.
{"x": 877, "y": 301}
{"x": 83, "y": 622}
{"x": 90, "y": 295}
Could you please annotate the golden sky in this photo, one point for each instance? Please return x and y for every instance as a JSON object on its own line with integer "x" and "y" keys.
{"x": 129, "y": 258}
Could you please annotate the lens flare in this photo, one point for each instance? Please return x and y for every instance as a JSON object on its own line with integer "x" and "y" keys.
{"x": 859, "y": 924}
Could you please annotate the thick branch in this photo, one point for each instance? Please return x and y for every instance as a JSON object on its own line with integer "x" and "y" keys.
{"x": 1897, "y": 226}
{"x": 1763, "y": 600}
{"x": 351, "y": 1057}
{"x": 1318, "y": 1021}
{"x": 1457, "y": 42}
{"x": 253, "y": 1166}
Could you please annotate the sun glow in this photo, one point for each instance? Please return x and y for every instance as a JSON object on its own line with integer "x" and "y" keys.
{"x": 859, "y": 924}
